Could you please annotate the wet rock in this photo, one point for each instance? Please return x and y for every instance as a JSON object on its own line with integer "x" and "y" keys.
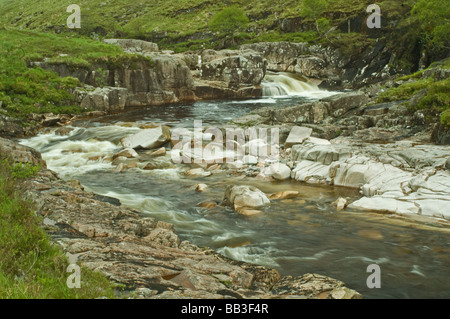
{"x": 340, "y": 204}
{"x": 126, "y": 153}
{"x": 197, "y": 172}
{"x": 200, "y": 187}
{"x": 159, "y": 152}
{"x": 244, "y": 196}
{"x": 284, "y": 195}
{"x": 149, "y": 139}
{"x": 208, "y": 204}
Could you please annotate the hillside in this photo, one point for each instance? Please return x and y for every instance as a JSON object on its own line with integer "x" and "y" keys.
{"x": 183, "y": 25}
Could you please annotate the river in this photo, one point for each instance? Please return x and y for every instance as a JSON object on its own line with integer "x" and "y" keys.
{"x": 294, "y": 236}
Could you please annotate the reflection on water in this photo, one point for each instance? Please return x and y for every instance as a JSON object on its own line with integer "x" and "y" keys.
{"x": 295, "y": 236}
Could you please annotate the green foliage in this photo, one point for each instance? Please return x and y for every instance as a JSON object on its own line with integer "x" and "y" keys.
{"x": 445, "y": 118}
{"x": 434, "y": 18}
{"x": 313, "y": 8}
{"x": 20, "y": 170}
{"x": 404, "y": 91}
{"x": 229, "y": 20}
{"x": 30, "y": 265}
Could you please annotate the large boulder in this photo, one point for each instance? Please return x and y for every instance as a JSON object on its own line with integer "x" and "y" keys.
{"x": 239, "y": 197}
{"x": 236, "y": 68}
{"x": 149, "y": 139}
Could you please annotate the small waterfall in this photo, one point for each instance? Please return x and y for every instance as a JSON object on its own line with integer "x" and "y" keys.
{"x": 287, "y": 84}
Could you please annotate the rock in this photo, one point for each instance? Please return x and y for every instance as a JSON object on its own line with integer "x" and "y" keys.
{"x": 159, "y": 152}
{"x": 127, "y": 153}
{"x": 110, "y": 99}
{"x": 149, "y": 166}
{"x": 447, "y": 163}
{"x": 234, "y": 68}
{"x": 284, "y": 195}
{"x": 133, "y": 45}
{"x": 297, "y": 136}
{"x": 149, "y": 139}
{"x": 281, "y": 171}
{"x": 340, "y": 204}
{"x": 120, "y": 168}
{"x": 244, "y": 196}
{"x": 20, "y": 153}
{"x": 342, "y": 103}
{"x": 314, "y": 286}
{"x": 200, "y": 187}
{"x": 248, "y": 212}
{"x": 197, "y": 172}
{"x": 208, "y": 204}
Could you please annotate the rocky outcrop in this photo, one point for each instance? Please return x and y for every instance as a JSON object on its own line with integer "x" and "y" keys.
{"x": 134, "y": 45}
{"x": 162, "y": 80}
{"x": 145, "y": 255}
{"x": 108, "y": 99}
{"x": 402, "y": 177}
{"x": 237, "y": 69}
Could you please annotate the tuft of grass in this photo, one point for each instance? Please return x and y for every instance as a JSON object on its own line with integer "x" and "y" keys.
{"x": 31, "y": 267}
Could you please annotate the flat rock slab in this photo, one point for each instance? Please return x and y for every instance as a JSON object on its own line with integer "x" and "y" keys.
{"x": 149, "y": 139}
{"x": 297, "y": 136}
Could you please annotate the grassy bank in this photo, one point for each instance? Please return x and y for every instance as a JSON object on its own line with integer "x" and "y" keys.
{"x": 31, "y": 267}
{"x": 432, "y": 96}
{"x": 25, "y": 90}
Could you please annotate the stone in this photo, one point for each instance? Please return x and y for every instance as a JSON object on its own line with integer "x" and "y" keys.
{"x": 127, "y": 153}
{"x": 281, "y": 171}
{"x": 208, "y": 204}
{"x": 197, "y": 172}
{"x": 133, "y": 45}
{"x": 284, "y": 195}
{"x": 244, "y": 196}
{"x": 159, "y": 152}
{"x": 200, "y": 187}
{"x": 109, "y": 99}
{"x": 340, "y": 203}
{"x": 297, "y": 136}
{"x": 149, "y": 139}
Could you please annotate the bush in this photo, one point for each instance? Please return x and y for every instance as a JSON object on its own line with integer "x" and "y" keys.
{"x": 229, "y": 20}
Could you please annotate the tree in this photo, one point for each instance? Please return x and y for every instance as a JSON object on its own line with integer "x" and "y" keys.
{"x": 229, "y": 20}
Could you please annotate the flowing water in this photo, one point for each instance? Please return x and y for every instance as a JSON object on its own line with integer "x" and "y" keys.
{"x": 295, "y": 236}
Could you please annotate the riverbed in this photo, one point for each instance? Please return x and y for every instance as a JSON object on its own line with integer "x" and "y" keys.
{"x": 295, "y": 236}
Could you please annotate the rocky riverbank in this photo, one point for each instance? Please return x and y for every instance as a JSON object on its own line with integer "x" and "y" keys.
{"x": 145, "y": 255}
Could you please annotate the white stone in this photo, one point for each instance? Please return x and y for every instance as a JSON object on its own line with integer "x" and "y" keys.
{"x": 150, "y": 138}
{"x": 297, "y": 135}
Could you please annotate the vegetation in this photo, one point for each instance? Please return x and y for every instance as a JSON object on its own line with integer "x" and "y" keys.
{"x": 25, "y": 90}
{"x": 433, "y": 96}
{"x": 434, "y": 18}
{"x": 31, "y": 266}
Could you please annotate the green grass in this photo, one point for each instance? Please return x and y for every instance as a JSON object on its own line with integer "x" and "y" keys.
{"x": 436, "y": 101}
{"x": 31, "y": 267}
{"x": 25, "y": 90}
